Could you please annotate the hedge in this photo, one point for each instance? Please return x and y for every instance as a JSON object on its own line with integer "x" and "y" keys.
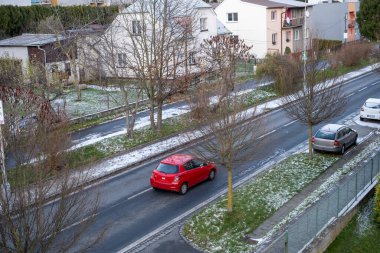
{"x": 15, "y": 20}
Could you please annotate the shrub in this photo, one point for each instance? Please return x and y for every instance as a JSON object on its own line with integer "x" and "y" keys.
{"x": 352, "y": 54}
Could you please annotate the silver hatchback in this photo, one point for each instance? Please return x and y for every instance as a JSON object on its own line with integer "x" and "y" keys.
{"x": 334, "y": 138}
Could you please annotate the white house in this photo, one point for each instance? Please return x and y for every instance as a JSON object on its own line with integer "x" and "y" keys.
{"x": 169, "y": 29}
{"x": 268, "y": 26}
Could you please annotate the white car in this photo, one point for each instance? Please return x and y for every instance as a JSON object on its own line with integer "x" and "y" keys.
{"x": 370, "y": 109}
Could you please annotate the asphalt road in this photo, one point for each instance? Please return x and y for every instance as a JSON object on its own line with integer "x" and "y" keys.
{"x": 130, "y": 209}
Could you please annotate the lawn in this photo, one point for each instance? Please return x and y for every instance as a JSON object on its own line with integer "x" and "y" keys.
{"x": 215, "y": 230}
{"x": 361, "y": 235}
{"x": 93, "y": 100}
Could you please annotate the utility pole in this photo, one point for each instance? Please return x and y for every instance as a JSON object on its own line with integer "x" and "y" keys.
{"x": 2, "y": 156}
{"x": 345, "y": 28}
{"x": 304, "y": 55}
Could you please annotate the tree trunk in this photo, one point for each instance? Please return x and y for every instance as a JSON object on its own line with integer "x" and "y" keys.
{"x": 229, "y": 201}
{"x": 159, "y": 115}
{"x": 151, "y": 113}
{"x": 76, "y": 80}
{"x": 310, "y": 143}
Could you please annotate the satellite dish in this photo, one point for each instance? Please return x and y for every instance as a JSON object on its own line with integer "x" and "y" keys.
{"x": 288, "y": 20}
{"x": 307, "y": 14}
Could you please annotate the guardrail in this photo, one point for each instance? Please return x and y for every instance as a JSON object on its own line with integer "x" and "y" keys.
{"x": 334, "y": 205}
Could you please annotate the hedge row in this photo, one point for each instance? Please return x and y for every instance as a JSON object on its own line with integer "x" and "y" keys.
{"x": 15, "y": 20}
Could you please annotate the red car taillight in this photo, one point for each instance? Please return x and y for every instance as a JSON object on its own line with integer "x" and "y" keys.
{"x": 313, "y": 140}
{"x": 176, "y": 179}
{"x": 336, "y": 143}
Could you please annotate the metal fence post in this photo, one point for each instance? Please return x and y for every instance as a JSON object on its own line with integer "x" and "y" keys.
{"x": 337, "y": 205}
{"x": 356, "y": 186}
{"x": 286, "y": 242}
{"x": 372, "y": 170}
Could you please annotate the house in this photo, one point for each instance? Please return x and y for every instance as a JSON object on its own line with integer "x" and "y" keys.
{"x": 171, "y": 30}
{"x": 338, "y": 22}
{"x": 65, "y": 2}
{"x": 268, "y": 26}
{"x": 39, "y": 50}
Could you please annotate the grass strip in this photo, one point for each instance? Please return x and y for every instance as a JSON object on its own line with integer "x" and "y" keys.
{"x": 215, "y": 230}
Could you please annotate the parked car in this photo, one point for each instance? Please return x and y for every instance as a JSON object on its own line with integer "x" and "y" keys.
{"x": 179, "y": 172}
{"x": 334, "y": 138}
{"x": 370, "y": 109}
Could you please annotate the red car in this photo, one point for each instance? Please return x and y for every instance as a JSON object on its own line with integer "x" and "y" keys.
{"x": 179, "y": 172}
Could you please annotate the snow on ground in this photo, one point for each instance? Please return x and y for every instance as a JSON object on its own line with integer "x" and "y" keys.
{"x": 102, "y": 168}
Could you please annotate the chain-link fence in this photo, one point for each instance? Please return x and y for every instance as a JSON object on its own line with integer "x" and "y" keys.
{"x": 333, "y": 205}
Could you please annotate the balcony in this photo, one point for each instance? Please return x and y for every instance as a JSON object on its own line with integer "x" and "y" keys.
{"x": 351, "y": 24}
{"x": 44, "y": 2}
{"x": 97, "y": 2}
{"x": 289, "y": 23}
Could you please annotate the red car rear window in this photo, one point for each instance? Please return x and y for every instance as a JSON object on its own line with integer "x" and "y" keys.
{"x": 167, "y": 168}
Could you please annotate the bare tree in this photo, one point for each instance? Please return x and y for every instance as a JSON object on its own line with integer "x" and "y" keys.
{"x": 219, "y": 113}
{"x": 319, "y": 97}
{"x": 37, "y": 141}
{"x": 155, "y": 40}
{"x": 102, "y": 57}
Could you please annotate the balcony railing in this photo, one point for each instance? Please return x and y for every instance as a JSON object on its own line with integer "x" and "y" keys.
{"x": 351, "y": 24}
{"x": 293, "y": 22}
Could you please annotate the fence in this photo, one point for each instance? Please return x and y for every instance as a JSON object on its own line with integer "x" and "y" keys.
{"x": 315, "y": 219}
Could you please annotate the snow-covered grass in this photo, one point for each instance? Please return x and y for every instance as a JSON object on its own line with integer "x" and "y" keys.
{"x": 215, "y": 230}
{"x": 93, "y": 100}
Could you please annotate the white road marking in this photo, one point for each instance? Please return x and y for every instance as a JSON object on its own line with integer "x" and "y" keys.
{"x": 291, "y": 122}
{"x": 363, "y": 88}
{"x": 138, "y": 194}
{"x": 349, "y": 95}
{"x": 264, "y": 135}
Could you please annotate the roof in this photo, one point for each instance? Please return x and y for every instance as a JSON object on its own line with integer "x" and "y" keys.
{"x": 28, "y": 39}
{"x": 177, "y": 159}
{"x": 145, "y": 5}
{"x": 277, "y": 3}
{"x": 265, "y": 3}
{"x": 331, "y": 127}
{"x": 221, "y": 29}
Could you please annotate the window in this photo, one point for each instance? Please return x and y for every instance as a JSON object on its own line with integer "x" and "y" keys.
{"x": 136, "y": 27}
{"x": 294, "y": 13}
{"x": 232, "y": 17}
{"x": 288, "y": 35}
{"x": 122, "y": 60}
{"x": 167, "y": 168}
{"x": 188, "y": 165}
{"x": 274, "y": 38}
{"x": 273, "y": 15}
{"x": 296, "y": 34}
{"x": 192, "y": 58}
{"x": 203, "y": 24}
{"x": 68, "y": 68}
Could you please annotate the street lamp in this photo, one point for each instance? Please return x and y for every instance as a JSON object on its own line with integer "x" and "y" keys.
{"x": 345, "y": 28}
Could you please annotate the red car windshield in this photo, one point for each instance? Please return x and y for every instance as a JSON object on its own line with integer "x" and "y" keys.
{"x": 167, "y": 168}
